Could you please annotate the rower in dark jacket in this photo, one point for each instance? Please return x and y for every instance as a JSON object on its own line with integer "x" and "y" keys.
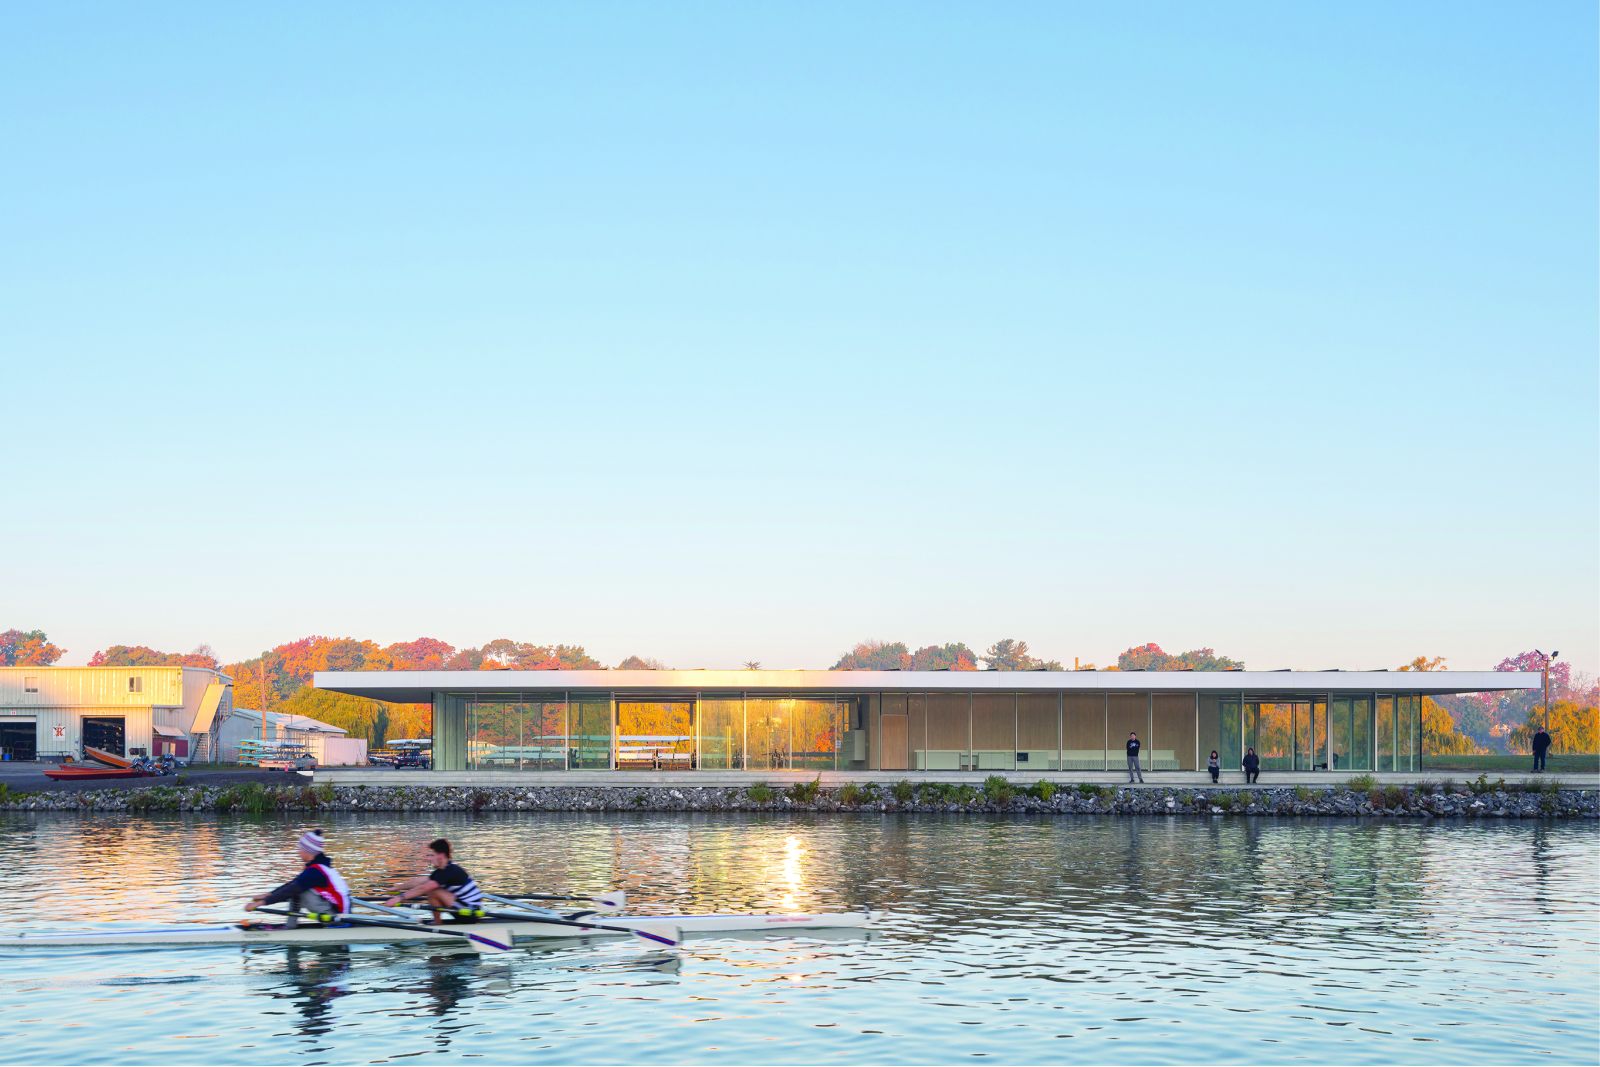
{"x": 318, "y": 889}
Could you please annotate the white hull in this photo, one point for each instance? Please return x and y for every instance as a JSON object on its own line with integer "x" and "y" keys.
{"x": 242, "y": 934}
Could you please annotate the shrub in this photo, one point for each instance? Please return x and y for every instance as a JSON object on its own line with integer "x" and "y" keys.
{"x": 761, "y": 792}
{"x": 1483, "y": 785}
{"x": 1301, "y": 793}
{"x": 1551, "y": 785}
{"x": 1088, "y": 789}
{"x": 902, "y": 791}
{"x": 1043, "y": 790}
{"x": 849, "y": 794}
{"x": 1185, "y": 799}
{"x": 1448, "y": 785}
{"x": 325, "y": 793}
{"x": 1225, "y": 802}
{"x": 640, "y": 800}
{"x": 1246, "y": 799}
{"x": 805, "y": 792}
{"x": 1362, "y": 783}
{"x": 869, "y": 793}
{"x": 998, "y": 789}
{"x": 183, "y": 778}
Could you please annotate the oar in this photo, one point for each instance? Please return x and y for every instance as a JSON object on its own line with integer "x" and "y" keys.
{"x": 487, "y": 939}
{"x": 655, "y": 933}
{"x": 612, "y": 901}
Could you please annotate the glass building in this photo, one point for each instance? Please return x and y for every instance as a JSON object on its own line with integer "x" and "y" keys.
{"x": 978, "y": 721}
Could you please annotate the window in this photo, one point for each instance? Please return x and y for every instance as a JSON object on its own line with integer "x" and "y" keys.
{"x": 136, "y": 685}
{"x": 30, "y": 683}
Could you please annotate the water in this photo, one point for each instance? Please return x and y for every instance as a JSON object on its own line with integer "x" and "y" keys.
{"x": 1011, "y": 939}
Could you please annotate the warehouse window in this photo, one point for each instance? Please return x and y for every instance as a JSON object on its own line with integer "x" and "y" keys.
{"x": 135, "y": 685}
{"x": 30, "y": 683}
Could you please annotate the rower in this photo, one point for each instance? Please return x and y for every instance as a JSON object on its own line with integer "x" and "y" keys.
{"x": 448, "y": 888}
{"x": 318, "y": 889}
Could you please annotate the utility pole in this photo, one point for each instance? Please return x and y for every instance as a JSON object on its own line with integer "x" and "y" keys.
{"x": 1546, "y": 670}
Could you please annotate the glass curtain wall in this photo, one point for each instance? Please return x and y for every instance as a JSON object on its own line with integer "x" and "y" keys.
{"x": 1406, "y": 749}
{"x": 655, "y": 734}
{"x": 589, "y": 739}
{"x": 507, "y": 732}
{"x": 1268, "y": 729}
{"x": 1230, "y": 732}
{"x": 1385, "y": 730}
{"x": 721, "y": 720}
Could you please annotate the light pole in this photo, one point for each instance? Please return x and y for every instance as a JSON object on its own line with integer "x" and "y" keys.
{"x": 1546, "y": 669}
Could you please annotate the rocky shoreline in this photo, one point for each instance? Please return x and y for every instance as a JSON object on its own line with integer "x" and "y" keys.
{"x": 1478, "y": 800}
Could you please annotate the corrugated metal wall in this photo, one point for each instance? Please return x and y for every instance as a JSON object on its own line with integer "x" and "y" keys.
{"x": 100, "y": 687}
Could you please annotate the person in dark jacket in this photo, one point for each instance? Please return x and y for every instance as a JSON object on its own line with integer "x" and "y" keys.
{"x": 1133, "y": 758}
{"x": 318, "y": 889}
{"x": 1214, "y": 765}
{"x": 1252, "y": 766}
{"x": 1541, "y": 745}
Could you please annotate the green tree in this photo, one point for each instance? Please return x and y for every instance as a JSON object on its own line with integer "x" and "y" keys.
{"x": 949, "y": 657}
{"x": 1010, "y": 655}
{"x": 874, "y": 655}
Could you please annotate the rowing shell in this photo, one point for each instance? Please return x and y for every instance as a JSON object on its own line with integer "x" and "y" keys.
{"x": 338, "y": 934}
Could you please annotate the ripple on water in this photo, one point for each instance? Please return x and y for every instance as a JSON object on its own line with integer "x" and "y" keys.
{"x": 1018, "y": 940}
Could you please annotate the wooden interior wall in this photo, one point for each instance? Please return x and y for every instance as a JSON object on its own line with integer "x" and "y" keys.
{"x": 947, "y": 722}
{"x": 1036, "y": 721}
{"x": 1128, "y": 711}
{"x": 994, "y": 722}
{"x": 1083, "y": 722}
{"x": 1173, "y": 727}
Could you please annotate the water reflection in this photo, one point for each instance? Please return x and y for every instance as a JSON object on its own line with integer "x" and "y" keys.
{"x": 1147, "y": 939}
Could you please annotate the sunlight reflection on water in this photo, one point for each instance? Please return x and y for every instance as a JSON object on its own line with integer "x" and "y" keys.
{"x": 1020, "y": 940}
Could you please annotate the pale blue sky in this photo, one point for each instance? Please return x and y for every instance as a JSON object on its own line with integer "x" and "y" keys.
{"x": 746, "y": 331}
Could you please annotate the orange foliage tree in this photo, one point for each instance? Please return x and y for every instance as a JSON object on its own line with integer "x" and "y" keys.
{"x": 141, "y": 656}
{"x": 27, "y": 648}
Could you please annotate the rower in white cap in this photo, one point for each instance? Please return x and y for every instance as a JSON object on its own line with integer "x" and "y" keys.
{"x": 317, "y": 889}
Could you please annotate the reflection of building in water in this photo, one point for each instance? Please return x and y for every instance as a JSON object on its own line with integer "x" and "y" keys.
{"x": 977, "y": 721}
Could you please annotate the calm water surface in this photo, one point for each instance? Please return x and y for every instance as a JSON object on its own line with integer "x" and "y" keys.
{"x": 1015, "y": 940}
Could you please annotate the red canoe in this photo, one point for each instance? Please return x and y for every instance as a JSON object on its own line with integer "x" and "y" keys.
{"x": 84, "y": 771}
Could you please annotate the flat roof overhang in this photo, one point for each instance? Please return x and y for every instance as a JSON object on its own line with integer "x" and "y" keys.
{"x": 418, "y": 687}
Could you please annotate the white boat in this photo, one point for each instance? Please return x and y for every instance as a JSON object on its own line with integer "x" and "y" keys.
{"x": 354, "y": 932}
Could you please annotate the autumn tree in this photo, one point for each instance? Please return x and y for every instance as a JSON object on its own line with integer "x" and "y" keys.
{"x": 140, "y": 656}
{"x": 875, "y": 655}
{"x": 641, "y": 663}
{"x": 28, "y": 648}
{"x": 1150, "y": 657}
{"x": 950, "y": 657}
{"x": 1010, "y": 655}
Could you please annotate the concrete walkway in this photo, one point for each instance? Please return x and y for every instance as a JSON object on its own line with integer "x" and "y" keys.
{"x": 734, "y": 779}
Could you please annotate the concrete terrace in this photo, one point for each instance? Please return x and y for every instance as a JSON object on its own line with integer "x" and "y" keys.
{"x": 733, "y": 779}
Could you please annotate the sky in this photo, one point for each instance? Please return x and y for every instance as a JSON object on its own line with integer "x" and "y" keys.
{"x": 747, "y": 331}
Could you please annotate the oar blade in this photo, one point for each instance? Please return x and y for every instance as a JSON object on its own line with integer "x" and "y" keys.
{"x": 659, "y": 935}
{"x": 489, "y": 939}
{"x": 615, "y": 900}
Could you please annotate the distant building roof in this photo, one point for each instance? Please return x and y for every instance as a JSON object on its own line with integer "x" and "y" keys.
{"x": 293, "y": 722}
